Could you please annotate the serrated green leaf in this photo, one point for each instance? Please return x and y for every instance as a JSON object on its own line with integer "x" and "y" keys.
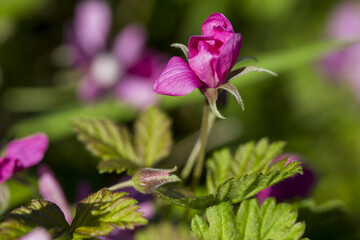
{"x": 13, "y": 229}
{"x": 39, "y": 213}
{"x": 233, "y": 190}
{"x": 249, "y": 158}
{"x": 237, "y": 190}
{"x": 165, "y": 231}
{"x": 221, "y": 224}
{"x": 104, "y": 139}
{"x": 270, "y": 221}
{"x": 117, "y": 166}
{"x": 101, "y": 212}
{"x": 153, "y": 137}
{"x": 218, "y": 169}
{"x": 183, "y": 198}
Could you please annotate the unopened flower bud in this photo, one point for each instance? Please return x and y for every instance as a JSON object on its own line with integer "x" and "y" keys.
{"x": 147, "y": 180}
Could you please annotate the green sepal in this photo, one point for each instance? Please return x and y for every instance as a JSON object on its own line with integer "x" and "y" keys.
{"x": 211, "y": 95}
{"x": 234, "y": 91}
{"x": 244, "y": 70}
{"x": 182, "y": 47}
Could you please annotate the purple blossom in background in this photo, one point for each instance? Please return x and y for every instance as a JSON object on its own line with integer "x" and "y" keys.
{"x": 344, "y": 23}
{"x": 37, "y": 234}
{"x": 126, "y": 69}
{"x": 51, "y": 190}
{"x": 211, "y": 57}
{"x": 22, "y": 153}
{"x": 298, "y": 186}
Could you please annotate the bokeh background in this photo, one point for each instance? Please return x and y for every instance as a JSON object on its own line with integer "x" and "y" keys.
{"x": 315, "y": 110}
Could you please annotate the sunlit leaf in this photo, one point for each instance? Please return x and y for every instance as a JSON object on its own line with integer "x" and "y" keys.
{"x": 237, "y": 190}
{"x": 101, "y": 212}
{"x": 249, "y": 158}
{"x": 153, "y": 138}
{"x": 105, "y": 139}
{"x": 38, "y": 214}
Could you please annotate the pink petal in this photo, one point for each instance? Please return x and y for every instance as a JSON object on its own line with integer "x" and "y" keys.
{"x": 202, "y": 59}
{"x": 344, "y": 20}
{"x": 91, "y": 26}
{"x": 228, "y": 57}
{"x": 51, "y": 190}
{"x": 148, "y": 209}
{"x": 129, "y": 44}
{"x": 88, "y": 90}
{"x": 37, "y": 234}
{"x": 177, "y": 79}
{"x": 9, "y": 166}
{"x": 29, "y": 150}
{"x": 136, "y": 91}
{"x": 212, "y": 24}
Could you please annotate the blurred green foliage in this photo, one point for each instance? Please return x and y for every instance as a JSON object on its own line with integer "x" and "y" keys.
{"x": 318, "y": 119}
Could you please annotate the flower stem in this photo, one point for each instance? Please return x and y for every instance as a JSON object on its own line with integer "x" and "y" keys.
{"x": 198, "y": 152}
{"x": 128, "y": 183}
{"x": 206, "y": 125}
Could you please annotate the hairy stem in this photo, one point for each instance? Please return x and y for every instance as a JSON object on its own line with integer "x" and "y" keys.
{"x": 206, "y": 125}
{"x": 128, "y": 183}
{"x": 198, "y": 152}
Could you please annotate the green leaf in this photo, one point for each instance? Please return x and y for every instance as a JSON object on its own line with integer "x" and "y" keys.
{"x": 241, "y": 188}
{"x": 153, "y": 139}
{"x": 118, "y": 166}
{"x": 165, "y": 231}
{"x": 13, "y": 229}
{"x": 38, "y": 214}
{"x": 237, "y": 190}
{"x": 105, "y": 139}
{"x": 270, "y": 221}
{"x": 221, "y": 224}
{"x": 101, "y": 212}
{"x": 249, "y": 158}
{"x": 183, "y": 198}
{"x": 218, "y": 169}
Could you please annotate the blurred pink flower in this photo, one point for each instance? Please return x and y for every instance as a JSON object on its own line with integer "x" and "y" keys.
{"x": 22, "y": 153}
{"x": 37, "y": 234}
{"x": 344, "y": 23}
{"x": 51, "y": 190}
{"x": 126, "y": 70}
{"x": 211, "y": 57}
{"x": 293, "y": 187}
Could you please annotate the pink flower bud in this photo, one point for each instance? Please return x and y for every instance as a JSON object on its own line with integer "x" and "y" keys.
{"x": 211, "y": 57}
{"x": 147, "y": 180}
